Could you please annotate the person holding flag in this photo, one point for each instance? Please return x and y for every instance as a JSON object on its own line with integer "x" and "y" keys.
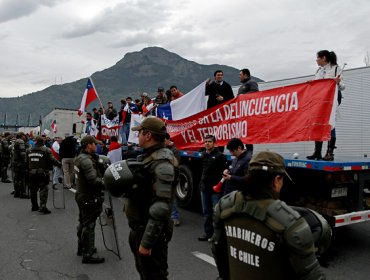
{"x": 53, "y": 126}
{"x": 130, "y": 108}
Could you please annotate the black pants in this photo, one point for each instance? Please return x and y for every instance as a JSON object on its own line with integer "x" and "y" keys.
{"x": 90, "y": 209}
{"x": 153, "y": 267}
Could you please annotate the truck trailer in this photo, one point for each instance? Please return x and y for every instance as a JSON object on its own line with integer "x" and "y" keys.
{"x": 339, "y": 189}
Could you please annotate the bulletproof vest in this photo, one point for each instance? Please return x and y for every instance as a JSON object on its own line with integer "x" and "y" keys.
{"x": 254, "y": 250}
{"x": 19, "y": 150}
{"x": 38, "y": 159}
{"x": 254, "y": 240}
{"x": 81, "y": 180}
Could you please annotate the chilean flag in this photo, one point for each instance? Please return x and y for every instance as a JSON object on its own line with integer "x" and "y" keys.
{"x": 55, "y": 150}
{"x": 89, "y": 96}
{"x": 193, "y": 102}
{"x": 115, "y": 152}
{"x": 54, "y": 126}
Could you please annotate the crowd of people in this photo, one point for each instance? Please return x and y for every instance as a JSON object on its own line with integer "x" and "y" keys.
{"x": 250, "y": 230}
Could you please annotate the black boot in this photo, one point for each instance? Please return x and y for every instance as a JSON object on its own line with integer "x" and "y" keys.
{"x": 317, "y": 153}
{"x": 329, "y": 156}
{"x": 88, "y": 252}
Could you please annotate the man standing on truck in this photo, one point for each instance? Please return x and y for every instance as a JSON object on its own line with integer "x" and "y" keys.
{"x": 218, "y": 91}
{"x": 248, "y": 85}
{"x": 262, "y": 236}
{"x": 213, "y": 163}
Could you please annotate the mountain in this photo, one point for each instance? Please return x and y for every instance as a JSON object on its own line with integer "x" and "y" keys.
{"x": 135, "y": 73}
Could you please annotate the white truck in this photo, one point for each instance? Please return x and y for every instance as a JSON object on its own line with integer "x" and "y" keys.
{"x": 339, "y": 189}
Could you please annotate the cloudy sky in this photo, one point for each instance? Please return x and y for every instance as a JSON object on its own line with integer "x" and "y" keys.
{"x": 43, "y": 42}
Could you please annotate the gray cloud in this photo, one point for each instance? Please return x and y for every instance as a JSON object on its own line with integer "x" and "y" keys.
{"x": 14, "y": 9}
{"x": 137, "y": 16}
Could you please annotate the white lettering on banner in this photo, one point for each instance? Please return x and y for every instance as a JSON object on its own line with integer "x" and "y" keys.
{"x": 226, "y": 131}
{"x": 189, "y": 136}
{"x": 109, "y": 131}
{"x": 259, "y": 106}
{"x": 250, "y": 236}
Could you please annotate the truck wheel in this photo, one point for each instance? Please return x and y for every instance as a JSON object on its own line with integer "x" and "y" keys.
{"x": 185, "y": 192}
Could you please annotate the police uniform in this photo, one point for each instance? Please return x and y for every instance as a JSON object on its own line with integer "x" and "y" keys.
{"x": 20, "y": 165}
{"x": 148, "y": 206}
{"x": 40, "y": 161}
{"x": 260, "y": 237}
{"x": 5, "y": 158}
{"x": 89, "y": 200}
{"x": 148, "y": 212}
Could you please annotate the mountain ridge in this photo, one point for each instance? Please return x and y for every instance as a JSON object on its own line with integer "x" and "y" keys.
{"x": 135, "y": 73}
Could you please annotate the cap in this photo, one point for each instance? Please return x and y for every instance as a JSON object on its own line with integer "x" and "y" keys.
{"x": 152, "y": 124}
{"x": 268, "y": 161}
{"x": 144, "y": 94}
{"x": 88, "y": 139}
{"x": 160, "y": 89}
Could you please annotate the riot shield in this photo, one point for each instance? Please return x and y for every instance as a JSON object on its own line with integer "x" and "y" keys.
{"x": 108, "y": 226}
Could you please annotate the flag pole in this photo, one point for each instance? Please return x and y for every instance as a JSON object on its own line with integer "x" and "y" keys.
{"x": 101, "y": 104}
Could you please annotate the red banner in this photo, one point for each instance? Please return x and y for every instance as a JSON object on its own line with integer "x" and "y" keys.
{"x": 300, "y": 112}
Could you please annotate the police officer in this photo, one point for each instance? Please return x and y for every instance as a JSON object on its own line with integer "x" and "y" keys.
{"x": 20, "y": 165}
{"x": 148, "y": 208}
{"x": 261, "y": 236}
{"x": 89, "y": 199}
{"x": 40, "y": 161}
{"x": 5, "y": 157}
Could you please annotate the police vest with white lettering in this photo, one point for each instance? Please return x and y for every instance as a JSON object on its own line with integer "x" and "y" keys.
{"x": 38, "y": 159}
{"x": 254, "y": 250}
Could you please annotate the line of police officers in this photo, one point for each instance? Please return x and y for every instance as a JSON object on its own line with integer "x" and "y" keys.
{"x": 31, "y": 166}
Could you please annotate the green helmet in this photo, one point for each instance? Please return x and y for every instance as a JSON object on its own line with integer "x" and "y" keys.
{"x": 119, "y": 177}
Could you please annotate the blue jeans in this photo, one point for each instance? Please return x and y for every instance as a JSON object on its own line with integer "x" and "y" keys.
{"x": 209, "y": 200}
{"x": 123, "y": 134}
{"x": 174, "y": 213}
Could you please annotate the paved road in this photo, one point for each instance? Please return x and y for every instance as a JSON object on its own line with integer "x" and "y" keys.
{"x": 36, "y": 246}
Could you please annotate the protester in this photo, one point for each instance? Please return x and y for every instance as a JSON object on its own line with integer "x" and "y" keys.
{"x": 213, "y": 163}
{"x": 248, "y": 84}
{"x": 67, "y": 152}
{"x": 257, "y": 236}
{"x": 115, "y": 150}
{"x": 328, "y": 69}
{"x": 57, "y": 170}
{"x": 110, "y": 112}
{"x": 129, "y": 109}
{"x": 218, "y": 91}
{"x": 235, "y": 175}
{"x": 161, "y": 97}
{"x": 175, "y": 93}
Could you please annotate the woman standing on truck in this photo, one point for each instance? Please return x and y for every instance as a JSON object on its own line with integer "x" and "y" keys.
{"x": 328, "y": 69}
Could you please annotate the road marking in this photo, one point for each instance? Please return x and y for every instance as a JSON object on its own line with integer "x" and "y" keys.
{"x": 204, "y": 257}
